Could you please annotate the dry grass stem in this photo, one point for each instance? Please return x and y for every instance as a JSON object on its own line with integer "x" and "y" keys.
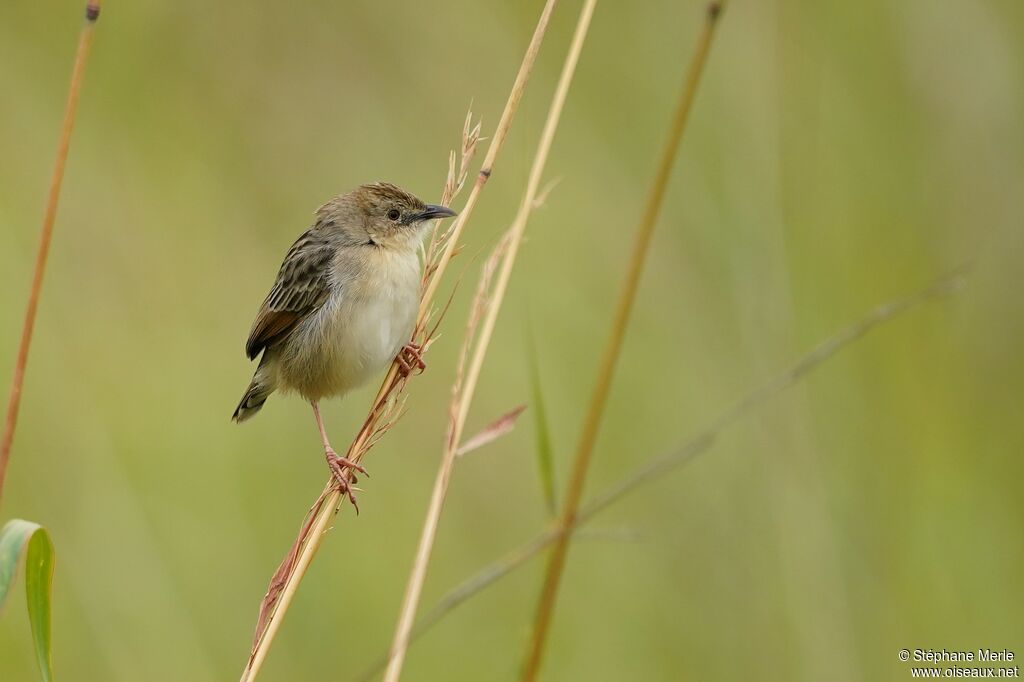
{"x": 92, "y": 14}
{"x": 701, "y": 442}
{"x": 483, "y": 315}
{"x": 595, "y": 411}
{"x": 386, "y": 408}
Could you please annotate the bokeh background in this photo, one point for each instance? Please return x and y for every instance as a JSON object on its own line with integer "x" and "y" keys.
{"x": 840, "y": 155}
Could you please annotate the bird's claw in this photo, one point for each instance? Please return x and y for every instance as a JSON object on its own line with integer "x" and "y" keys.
{"x": 339, "y": 467}
{"x": 410, "y": 359}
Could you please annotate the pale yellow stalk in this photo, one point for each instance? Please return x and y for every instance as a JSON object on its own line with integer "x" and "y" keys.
{"x": 463, "y": 395}
{"x": 595, "y": 411}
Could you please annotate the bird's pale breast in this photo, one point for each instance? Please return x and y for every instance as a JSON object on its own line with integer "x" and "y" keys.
{"x": 359, "y": 330}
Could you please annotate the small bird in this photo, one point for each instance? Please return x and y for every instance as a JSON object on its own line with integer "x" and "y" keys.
{"x": 343, "y": 305}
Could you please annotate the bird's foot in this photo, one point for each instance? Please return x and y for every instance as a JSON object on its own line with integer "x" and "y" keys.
{"x": 410, "y": 360}
{"x": 339, "y": 467}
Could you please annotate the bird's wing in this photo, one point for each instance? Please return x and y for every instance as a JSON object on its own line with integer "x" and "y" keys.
{"x": 301, "y": 288}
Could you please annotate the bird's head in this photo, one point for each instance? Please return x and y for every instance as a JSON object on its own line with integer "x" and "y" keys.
{"x": 380, "y": 214}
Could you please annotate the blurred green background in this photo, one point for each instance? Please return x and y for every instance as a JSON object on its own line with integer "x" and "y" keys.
{"x": 840, "y": 154}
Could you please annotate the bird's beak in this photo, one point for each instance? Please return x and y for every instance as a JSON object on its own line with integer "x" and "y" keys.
{"x": 433, "y": 212}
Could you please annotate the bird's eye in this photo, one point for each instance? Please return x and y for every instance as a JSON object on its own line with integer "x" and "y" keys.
{"x": 394, "y": 214}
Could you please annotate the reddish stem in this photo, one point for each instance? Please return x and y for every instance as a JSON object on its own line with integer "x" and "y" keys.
{"x": 92, "y": 13}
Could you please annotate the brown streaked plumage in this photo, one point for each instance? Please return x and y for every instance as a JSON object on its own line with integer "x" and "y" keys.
{"x": 343, "y": 304}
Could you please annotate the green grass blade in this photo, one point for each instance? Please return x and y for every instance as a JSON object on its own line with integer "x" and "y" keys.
{"x": 542, "y": 432}
{"x": 24, "y": 537}
{"x": 39, "y": 588}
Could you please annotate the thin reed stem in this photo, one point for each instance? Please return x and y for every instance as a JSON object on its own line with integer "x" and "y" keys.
{"x": 92, "y": 14}
{"x": 497, "y": 142}
{"x": 703, "y": 441}
{"x": 393, "y": 383}
{"x": 620, "y": 320}
{"x": 462, "y": 396}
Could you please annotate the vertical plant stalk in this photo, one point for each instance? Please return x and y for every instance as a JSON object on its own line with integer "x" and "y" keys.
{"x": 92, "y": 14}
{"x": 324, "y": 510}
{"x": 462, "y": 394}
{"x": 584, "y": 451}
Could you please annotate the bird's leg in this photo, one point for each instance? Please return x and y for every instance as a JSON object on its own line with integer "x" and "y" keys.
{"x": 410, "y": 359}
{"x": 338, "y": 464}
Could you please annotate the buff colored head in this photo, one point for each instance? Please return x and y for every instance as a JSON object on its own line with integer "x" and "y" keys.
{"x": 380, "y": 214}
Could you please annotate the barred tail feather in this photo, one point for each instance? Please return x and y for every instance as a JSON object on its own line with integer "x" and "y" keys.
{"x": 259, "y": 390}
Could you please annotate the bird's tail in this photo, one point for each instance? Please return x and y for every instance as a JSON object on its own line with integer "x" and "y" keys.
{"x": 262, "y": 385}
